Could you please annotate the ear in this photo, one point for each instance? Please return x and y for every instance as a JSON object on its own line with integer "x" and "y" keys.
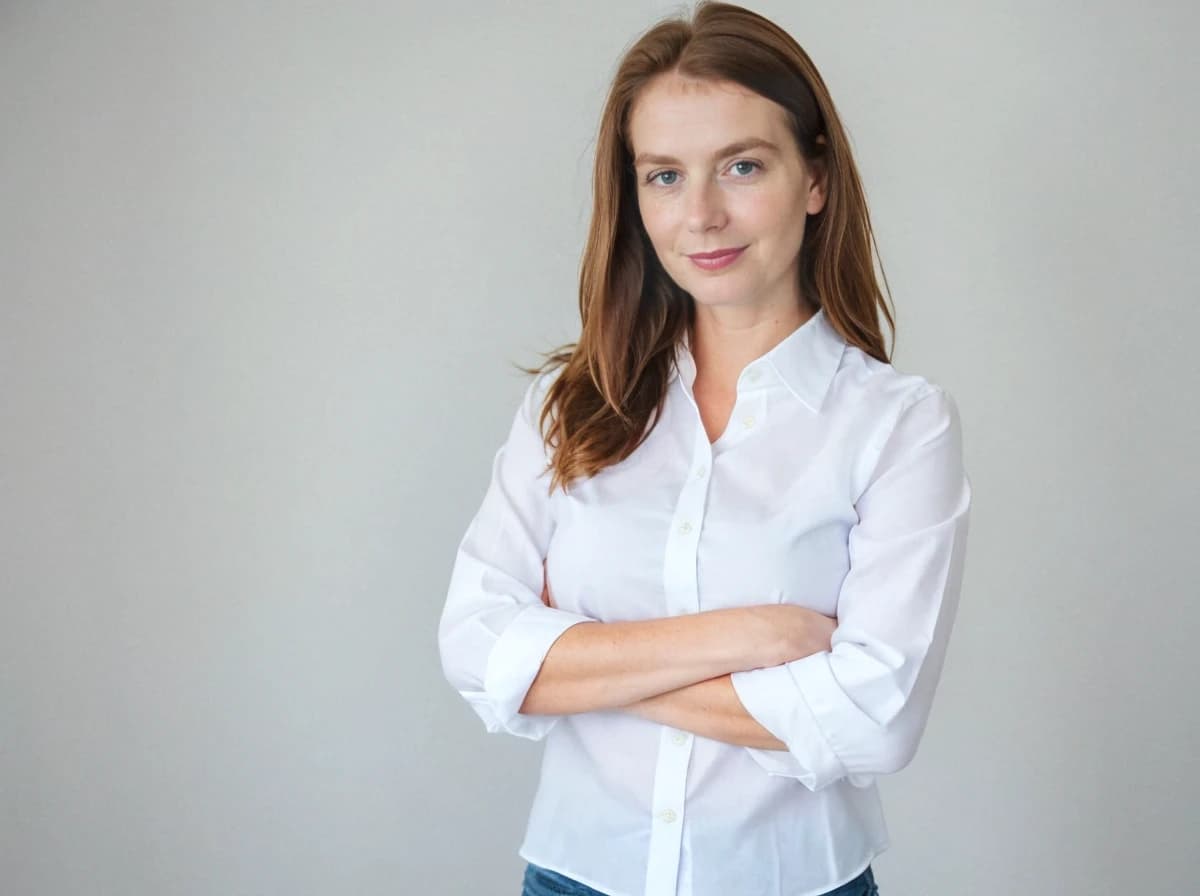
{"x": 819, "y": 172}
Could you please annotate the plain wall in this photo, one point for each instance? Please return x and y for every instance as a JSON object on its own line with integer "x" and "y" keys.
{"x": 264, "y": 270}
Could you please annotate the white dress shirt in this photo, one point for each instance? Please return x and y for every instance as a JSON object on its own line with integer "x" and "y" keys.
{"x": 837, "y": 485}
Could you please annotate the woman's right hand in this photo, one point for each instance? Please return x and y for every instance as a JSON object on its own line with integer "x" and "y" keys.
{"x": 785, "y": 632}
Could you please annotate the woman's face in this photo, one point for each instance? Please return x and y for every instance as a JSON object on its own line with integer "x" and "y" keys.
{"x": 701, "y": 187}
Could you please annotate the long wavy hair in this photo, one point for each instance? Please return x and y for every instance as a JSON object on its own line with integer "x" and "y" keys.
{"x": 613, "y": 381}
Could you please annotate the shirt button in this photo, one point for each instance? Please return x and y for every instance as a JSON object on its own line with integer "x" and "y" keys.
{"x": 752, "y": 376}
{"x": 679, "y": 737}
{"x": 701, "y": 471}
{"x": 685, "y": 528}
{"x": 667, "y": 815}
{"x": 747, "y": 422}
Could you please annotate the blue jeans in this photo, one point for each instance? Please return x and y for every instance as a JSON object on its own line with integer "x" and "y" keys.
{"x": 541, "y": 881}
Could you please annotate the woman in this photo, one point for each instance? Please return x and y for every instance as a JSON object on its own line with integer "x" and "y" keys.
{"x": 719, "y": 558}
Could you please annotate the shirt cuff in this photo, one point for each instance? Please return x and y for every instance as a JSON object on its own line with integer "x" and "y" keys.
{"x": 514, "y": 662}
{"x": 771, "y": 697}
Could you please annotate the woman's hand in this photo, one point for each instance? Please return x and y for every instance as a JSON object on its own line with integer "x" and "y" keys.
{"x": 782, "y": 633}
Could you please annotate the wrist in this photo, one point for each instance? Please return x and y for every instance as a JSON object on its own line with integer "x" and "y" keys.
{"x": 752, "y": 643}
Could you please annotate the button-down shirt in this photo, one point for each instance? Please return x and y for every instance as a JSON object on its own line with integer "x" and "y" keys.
{"x": 838, "y": 484}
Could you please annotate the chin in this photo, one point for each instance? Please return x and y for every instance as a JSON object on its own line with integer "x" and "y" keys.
{"x": 719, "y": 293}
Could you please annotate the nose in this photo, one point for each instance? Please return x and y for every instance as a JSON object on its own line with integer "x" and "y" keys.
{"x": 705, "y": 206}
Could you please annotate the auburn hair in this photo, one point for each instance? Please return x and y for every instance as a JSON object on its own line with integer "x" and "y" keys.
{"x": 612, "y": 383}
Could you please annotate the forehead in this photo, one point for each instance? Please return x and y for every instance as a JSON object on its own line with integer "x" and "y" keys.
{"x": 673, "y": 114}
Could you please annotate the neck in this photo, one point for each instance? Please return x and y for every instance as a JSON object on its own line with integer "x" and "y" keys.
{"x": 724, "y": 340}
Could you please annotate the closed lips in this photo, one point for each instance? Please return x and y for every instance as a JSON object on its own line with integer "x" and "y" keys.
{"x": 717, "y": 253}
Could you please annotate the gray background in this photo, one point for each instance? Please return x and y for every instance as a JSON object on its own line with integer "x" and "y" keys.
{"x": 263, "y": 268}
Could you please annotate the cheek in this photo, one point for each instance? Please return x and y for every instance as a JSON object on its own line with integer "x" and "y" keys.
{"x": 780, "y": 223}
{"x": 659, "y": 228}
{"x": 766, "y": 211}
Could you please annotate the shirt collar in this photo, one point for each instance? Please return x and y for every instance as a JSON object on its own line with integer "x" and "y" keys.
{"x": 804, "y": 361}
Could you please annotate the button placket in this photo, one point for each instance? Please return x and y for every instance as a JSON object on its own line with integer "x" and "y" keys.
{"x": 668, "y": 799}
{"x": 675, "y": 746}
{"x": 751, "y": 412}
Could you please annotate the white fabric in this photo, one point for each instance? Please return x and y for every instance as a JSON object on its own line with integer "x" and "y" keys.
{"x": 839, "y": 485}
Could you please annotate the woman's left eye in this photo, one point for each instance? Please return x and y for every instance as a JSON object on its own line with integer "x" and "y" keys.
{"x": 744, "y": 162}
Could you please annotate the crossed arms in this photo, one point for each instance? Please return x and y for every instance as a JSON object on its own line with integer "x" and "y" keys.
{"x": 676, "y": 670}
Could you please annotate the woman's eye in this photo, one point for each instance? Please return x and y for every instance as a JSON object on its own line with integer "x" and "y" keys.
{"x": 754, "y": 165}
{"x": 655, "y": 177}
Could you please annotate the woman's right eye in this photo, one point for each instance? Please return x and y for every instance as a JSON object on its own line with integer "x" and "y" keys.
{"x": 653, "y": 177}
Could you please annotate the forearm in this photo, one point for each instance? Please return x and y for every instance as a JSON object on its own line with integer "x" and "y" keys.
{"x": 710, "y": 709}
{"x": 594, "y": 666}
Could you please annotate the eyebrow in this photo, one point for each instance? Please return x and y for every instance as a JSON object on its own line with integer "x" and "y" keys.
{"x": 646, "y": 158}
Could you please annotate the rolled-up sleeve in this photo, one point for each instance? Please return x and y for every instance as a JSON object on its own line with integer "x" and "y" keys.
{"x": 859, "y": 709}
{"x": 494, "y": 630}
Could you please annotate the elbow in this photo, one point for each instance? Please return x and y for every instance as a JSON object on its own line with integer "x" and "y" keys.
{"x": 893, "y": 754}
{"x": 888, "y": 749}
{"x": 458, "y": 655}
{"x": 458, "y": 676}
{"x": 467, "y": 650}
{"x": 446, "y": 653}
{"x": 884, "y": 740}
{"x": 872, "y": 757}
{"x": 467, "y": 679}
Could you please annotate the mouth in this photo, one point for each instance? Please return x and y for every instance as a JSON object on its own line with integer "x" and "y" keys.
{"x": 715, "y": 254}
{"x": 719, "y": 258}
